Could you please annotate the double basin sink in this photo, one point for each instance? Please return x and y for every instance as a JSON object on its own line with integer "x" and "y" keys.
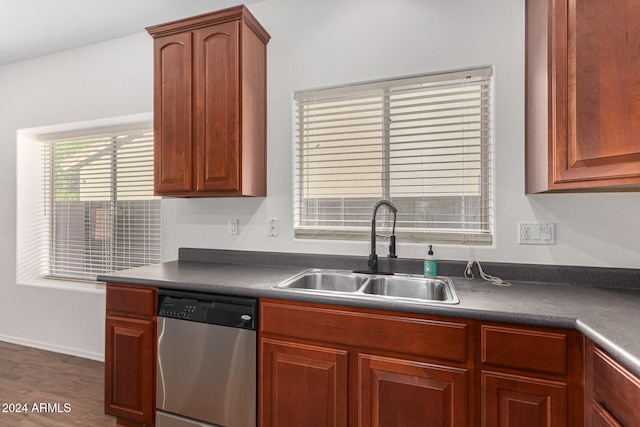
{"x": 399, "y": 287}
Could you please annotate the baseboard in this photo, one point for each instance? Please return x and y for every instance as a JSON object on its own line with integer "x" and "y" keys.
{"x": 54, "y": 348}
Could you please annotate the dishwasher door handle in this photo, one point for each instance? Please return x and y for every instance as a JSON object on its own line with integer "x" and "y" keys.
{"x": 160, "y": 387}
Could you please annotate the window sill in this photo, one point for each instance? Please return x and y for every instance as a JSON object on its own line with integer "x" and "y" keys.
{"x": 68, "y": 285}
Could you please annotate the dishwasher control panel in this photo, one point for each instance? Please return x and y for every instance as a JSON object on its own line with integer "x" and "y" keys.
{"x": 179, "y": 308}
{"x": 237, "y": 312}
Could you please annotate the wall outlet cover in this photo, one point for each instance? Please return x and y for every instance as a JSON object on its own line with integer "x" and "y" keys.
{"x": 536, "y": 233}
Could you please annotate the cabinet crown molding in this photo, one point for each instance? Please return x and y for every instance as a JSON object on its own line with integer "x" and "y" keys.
{"x": 218, "y": 17}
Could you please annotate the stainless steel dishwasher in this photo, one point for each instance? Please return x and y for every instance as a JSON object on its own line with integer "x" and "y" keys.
{"x": 206, "y": 372}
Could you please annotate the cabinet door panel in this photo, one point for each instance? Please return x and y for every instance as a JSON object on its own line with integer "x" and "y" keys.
{"x": 582, "y": 95}
{"x": 397, "y": 392}
{"x": 511, "y": 400}
{"x": 173, "y": 150}
{"x": 603, "y": 90}
{"x": 217, "y": 108}
{"x": 615, "y": 388}
{"x": 600, "y": 417}
{"x": 130, "y": 369}
{"x": 302, "y": 385}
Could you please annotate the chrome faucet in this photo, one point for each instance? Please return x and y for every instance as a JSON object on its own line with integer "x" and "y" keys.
{"x": 372, "y": 263}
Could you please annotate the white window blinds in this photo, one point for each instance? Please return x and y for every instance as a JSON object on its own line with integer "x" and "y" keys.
{"x": 421, "y": 142}
{"x": 98, "y": 197}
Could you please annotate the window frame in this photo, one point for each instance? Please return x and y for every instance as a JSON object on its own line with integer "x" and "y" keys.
{"x": 413, "y": 235}
{"x": 33, "y": 266}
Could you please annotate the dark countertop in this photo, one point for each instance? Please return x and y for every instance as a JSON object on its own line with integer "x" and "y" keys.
{"x": 608, "y": 316}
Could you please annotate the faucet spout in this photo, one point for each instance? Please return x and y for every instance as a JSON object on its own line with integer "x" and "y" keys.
{"x": 372, "y": 263}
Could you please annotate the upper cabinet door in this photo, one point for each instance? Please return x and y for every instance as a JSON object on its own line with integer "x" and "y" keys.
{"x": 217, "y": 109}
{"x": 173, "y": 151}
{"x": 211, "y": 105}
{"x": 583, "y": 95}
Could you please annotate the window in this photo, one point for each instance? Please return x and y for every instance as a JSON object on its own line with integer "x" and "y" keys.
{"x": 96, "y": 205}
{"x": 421, "y": 142}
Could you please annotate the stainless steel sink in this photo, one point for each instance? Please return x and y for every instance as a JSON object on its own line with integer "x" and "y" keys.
{"x": 432, "y": 289}
{"x": 412, "y": 288}
{"x": 321, "y": 280}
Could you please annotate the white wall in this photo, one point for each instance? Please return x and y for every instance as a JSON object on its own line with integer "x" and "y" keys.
{"x": 314, "y": 44}
{"x": 100, "y": 81}
{"x": 317, "y": 44}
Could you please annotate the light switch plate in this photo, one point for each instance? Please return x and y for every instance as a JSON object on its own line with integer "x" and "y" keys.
{"x": 273, "y": 225}
{"x": 536, "y": 234}
{"x": 233, "y": 226}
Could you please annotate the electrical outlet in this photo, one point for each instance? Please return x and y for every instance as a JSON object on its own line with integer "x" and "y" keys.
{"x": 233, "y": 226}
{"x": 536, "y": 234}
{"x": 273, "y": 225}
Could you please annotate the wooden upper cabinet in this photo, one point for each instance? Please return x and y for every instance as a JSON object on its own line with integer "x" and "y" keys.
{"x": 582, "y": 95}
{"x": 210, "y": 105}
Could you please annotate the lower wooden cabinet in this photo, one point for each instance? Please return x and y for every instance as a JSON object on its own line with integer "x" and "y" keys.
{"x": 326, "y": 366}
{"x": 130, "y": 354}
{"x": 329, "y": 366}
{"x": 530, "y": 376}
{"x": 333, "y": 366}
{"x": 599, "y": 416}
{"x": 612, "y": 392}
{"x": 303, "y": 385}
{"x": 404, "y": 392}
{"x": 513, "y": 400}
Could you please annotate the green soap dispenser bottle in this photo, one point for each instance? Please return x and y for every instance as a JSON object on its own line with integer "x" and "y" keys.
{"x": 430, "y": 264}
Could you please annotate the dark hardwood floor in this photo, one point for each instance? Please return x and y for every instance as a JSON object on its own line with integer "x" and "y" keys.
{"x": 50, "y": 389}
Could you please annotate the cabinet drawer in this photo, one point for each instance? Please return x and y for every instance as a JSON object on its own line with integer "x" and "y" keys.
{"x": 528, "y": 349}
{"x": 616, "y": 389}
{"x": 397, "y": 332}
{"x": 131, "y": 300}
